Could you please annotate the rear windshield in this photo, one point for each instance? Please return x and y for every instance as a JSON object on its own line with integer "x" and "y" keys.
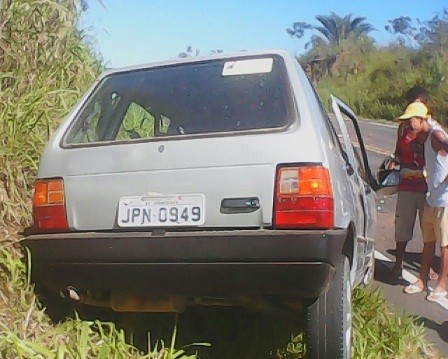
{"x": 217, "y": 96}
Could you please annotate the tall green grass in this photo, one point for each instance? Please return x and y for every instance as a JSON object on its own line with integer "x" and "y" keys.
{"x": 378, "y": 89}
{"x": 45, "y": 67}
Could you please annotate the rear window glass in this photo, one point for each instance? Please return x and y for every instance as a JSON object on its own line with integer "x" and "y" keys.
{"x": 197, "y": 98}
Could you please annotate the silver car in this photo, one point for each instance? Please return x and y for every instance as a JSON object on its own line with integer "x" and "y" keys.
{"x": 218, "y": 180}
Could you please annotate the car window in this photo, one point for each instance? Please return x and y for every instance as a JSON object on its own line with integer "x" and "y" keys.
{"x": 332, "y": 127}
{"x": 136, "y": 123}
{"x": 225, "y": 95}
{"x": 86, "y": 130}
{"x": 354, "y": 142}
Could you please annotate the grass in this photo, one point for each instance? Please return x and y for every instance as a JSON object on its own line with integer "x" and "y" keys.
{"x": 46, "y": 66}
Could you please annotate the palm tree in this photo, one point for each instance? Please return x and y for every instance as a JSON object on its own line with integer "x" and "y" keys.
{"x": 334, "y": 34}
{"x": 337, "y": 29}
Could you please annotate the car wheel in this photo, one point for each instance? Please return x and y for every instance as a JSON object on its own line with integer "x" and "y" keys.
{"x": 329, "y": 318}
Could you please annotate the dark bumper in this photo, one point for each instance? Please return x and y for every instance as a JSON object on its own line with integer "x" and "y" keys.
{"x": 218, "y": 263}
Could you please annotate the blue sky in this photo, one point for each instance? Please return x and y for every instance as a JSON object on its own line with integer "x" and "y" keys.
{"x": 129, "y": 32}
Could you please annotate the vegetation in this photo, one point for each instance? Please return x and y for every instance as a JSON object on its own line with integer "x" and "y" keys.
{"x": 371, "y": 79}
{"x": 189, "y": 52}
{"x": 46, "y": 66}
{"x": 335, "y": 30}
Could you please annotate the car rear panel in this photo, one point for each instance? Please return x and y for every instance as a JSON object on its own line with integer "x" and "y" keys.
{"x": 231, "y": 131}
{"x": 228, "y": 167}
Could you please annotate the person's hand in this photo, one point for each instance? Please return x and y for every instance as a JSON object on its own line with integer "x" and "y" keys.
{"x": 392, "y": 165}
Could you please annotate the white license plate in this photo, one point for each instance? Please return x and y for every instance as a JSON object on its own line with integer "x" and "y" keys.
{"x": 161, "y": 211}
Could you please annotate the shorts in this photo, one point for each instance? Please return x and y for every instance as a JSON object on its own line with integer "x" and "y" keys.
{"x": 408, "y": 203}
{"x": 435, "y": 225}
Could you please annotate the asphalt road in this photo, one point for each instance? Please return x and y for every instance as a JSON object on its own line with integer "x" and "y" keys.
{"x": 380, "y": 140}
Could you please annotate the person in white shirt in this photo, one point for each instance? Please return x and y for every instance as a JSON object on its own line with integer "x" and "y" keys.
{"x": 435, "y": 213}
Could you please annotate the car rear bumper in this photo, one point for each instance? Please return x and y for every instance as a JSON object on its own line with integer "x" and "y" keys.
{"x": 217, "y": 263}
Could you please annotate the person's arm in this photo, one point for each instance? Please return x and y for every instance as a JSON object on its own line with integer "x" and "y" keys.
{"x": 439, "y": 142}
{"x": 397, "y": 143}
{"x": 395, "y": 157}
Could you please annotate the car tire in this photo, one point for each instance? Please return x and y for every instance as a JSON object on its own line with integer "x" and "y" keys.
{"x": 329, "y": 318}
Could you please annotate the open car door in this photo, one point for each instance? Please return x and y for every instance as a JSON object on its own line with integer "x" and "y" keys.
{"x": 362, "y": 180}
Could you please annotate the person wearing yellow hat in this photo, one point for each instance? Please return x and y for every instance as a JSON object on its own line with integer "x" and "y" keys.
{"x": 415, "y": 109}
{"x": 435, "y": 213}
{"x": 412, "y": 186}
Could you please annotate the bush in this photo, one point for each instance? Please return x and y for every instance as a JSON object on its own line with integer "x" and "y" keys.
{"x": 374, "y": 83}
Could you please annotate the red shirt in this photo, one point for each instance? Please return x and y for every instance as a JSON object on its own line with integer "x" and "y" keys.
{"x": 411, "y": 155}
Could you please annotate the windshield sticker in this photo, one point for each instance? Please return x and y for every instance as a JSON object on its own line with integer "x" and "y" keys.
{"x": 247, "y": 67}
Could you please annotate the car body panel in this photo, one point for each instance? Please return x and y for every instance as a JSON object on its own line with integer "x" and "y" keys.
{"x": 231, "y": 167}
{"x": 235, "y": 261}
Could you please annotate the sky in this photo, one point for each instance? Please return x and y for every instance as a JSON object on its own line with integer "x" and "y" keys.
{"x": 130, "y": 32}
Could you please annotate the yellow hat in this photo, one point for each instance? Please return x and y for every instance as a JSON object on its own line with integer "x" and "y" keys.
{"x": 415, "y": 109}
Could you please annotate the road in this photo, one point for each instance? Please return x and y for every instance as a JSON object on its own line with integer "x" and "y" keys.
{"x": 380, "y": 140}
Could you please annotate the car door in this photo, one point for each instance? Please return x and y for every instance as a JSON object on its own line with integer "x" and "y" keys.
{"x": 362, "y": 181}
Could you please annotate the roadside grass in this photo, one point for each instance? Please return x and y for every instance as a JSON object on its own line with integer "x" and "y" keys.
{"x": 46, "y": 66}
{"x": 27, "y": 332}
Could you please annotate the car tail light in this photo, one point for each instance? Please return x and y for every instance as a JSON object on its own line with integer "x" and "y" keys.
{"x": 303, "y": 198}
{"x": 49, "y": 206}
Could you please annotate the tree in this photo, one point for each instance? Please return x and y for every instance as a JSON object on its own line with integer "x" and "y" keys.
{"x": 190, "y": 53}
{"x": 335, "y": 29}
{"x": 403, "y": 27}
{"x": 431, "y": 34}
{"x": 337, "y": 37}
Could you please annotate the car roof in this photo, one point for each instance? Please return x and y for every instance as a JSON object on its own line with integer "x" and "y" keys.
{"x": 194, "y": 59}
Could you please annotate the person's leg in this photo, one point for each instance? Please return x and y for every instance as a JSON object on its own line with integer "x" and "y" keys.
{"x": 400, "y": 249}
{"x": 442, "y": 236}
{"x": 427, "y": 256}
{"x": 428, "y": 252}
{"x": 421, "y": 201}
{"x": 443, "y": 277}
{"x": 421, "y": 283}
{"x": 405, "y": 214}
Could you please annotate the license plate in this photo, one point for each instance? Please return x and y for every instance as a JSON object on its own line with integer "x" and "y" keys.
{"x": 161, "y": 211}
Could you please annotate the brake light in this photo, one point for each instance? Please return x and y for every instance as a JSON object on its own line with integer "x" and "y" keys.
{"x": 49, "y": 206}
{"x": 303, "y": 198}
